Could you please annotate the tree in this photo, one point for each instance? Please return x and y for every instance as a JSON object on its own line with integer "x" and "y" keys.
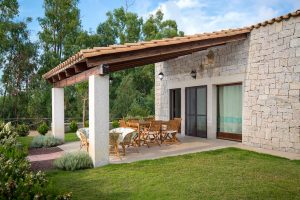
{"x": 132, "y": 91}
{"x": 58, "y": 37}
{"x": 60, "y": 28}
{"x": 18, "y": 55}
{"x": 156, "y": 28}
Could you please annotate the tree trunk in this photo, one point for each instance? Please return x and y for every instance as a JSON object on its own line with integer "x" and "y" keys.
{"x": 83, "y": 111}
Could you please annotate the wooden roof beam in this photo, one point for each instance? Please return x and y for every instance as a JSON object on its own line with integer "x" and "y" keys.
{"x": 158, "y": 51}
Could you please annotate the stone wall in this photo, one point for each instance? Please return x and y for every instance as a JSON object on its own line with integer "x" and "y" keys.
{"x": 271, "y": 115}
{"x": 270, "y": 62}
{"x": 230, "y": 59}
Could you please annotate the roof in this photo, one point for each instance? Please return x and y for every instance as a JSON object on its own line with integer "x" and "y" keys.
{"x": 117, "y": 55}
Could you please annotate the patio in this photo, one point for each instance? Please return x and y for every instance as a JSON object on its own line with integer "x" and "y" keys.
{"x": 187, "y": 145}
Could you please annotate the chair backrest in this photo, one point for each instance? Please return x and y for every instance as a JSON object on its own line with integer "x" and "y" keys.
{"x": 83, "y": 138}
{"x": 122, "y": 123}
{"x": 155, "y": 125}
{"x": 179, "y": 122}
{"x": 149, "y": 119}
{"x": 173, "y": 125}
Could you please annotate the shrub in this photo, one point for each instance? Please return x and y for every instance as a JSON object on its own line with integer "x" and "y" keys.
{"x": 16, "y": 179}
{"x": 86, "y": 123}
{"x": 74, "y": 161}
{"x": 115, "y": 124}
{"x": 22, "y": 130}
{"x": 73, "y": 126}
{"x": 45, "y": 141}
{"x": 43, "y": 128}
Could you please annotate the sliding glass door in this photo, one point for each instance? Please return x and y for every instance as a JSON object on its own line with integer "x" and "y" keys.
{"x": 229, "y": 123}
{"x": 196, "y": 111}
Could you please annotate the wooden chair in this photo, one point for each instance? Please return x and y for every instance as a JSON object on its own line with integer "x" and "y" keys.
{"x": 152, "y": 134}
{"x": 179, "y": 120}
{"x": 113, "y": 143}
{"x": 169, "y": 135}
{"x": 84, "y": 142}
{"x": 122, "y": 123}
{"x": 128, "y": 141}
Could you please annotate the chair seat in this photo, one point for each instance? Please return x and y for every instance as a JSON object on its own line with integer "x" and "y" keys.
{"x": 171, "y": 131}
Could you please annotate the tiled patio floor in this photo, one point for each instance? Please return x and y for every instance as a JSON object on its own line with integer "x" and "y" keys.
{"x": 187, "y": 145}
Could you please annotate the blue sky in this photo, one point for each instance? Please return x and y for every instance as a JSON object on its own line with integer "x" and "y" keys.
{"x": 192, "y": 16}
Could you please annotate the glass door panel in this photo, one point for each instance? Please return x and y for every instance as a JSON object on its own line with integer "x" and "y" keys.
{"x": 230, "y": 112}
{"x": 196, "y": 111}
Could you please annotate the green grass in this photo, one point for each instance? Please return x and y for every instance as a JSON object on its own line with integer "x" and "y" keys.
{"x": 222, "y": 174}
{"x": 71, "y": 137}
{"x": 25, "y": 141}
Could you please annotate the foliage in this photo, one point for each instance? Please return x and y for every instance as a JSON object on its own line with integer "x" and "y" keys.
{"x": 16, "y": 179}
{"x": 43, "y": 128}
{"x": 115, "y": 124}
{"x": 22, "y": 130}
{"x": 207, "y": 175}
{"x": 86, "y": 123}
{"x": 18, "y": 69}
{"x": 45, "y": 141}
{"x": 156, "y": 28}
{"x": 24, "y": 93}
{"x": 25, "y": 141}
{"x": 73, "y": 126}
{"x": 74, "y": 161}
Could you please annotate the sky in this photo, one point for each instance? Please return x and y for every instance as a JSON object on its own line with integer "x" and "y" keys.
{"x": 192, "y": 16}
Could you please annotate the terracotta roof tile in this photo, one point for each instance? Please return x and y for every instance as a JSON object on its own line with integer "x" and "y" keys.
{"x": 86, "y": 53}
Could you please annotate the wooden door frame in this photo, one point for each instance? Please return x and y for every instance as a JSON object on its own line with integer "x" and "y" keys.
{"x": 170, "y": 103}
{"x": 186, "y": 118}
{"x": 225, "y": 135}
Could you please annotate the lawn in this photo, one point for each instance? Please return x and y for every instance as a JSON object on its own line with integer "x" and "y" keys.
{"x": 221, "y": 174}
{"x": 71, "y": 137}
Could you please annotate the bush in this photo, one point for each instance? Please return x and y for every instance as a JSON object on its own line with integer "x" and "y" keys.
{"x": 73, "y": 126}
{"x": 86, "y": 123}
{"x": 115, "y": 124}
{"x": 43, "y": 128}
{"x": 22, "y": 130}
{"x": 74, "y": 161}
{"x": 16, "y": 179}
{"x": 45, "y": 141}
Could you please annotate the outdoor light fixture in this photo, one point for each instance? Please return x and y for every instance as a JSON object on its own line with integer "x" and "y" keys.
{"x": 193, "y": 74}
{"x": 160, "y": 75}
{"x": 110, "y": 80}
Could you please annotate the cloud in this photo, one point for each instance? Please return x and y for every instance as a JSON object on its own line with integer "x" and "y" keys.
{"x": 198, "y": 16}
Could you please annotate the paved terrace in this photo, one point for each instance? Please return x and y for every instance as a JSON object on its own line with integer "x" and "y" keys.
{"x": 187, "y": 145}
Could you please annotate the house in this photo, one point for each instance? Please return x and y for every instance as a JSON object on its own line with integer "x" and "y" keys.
{"x": 237, "y": 84}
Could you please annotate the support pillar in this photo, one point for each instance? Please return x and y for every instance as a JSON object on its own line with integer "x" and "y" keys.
{"x": 99, "y": 119}
{"x": 211, "y": 111}
{"x": 58, "y": 113}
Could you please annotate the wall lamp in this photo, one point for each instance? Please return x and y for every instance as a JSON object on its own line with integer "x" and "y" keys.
{"x": 161, "y": 75}
{"x": 111, "y": 80}
{"x": 193, "y": 74}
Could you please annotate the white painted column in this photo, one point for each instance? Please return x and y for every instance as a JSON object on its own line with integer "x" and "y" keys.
{"x": 211, "y": 111}
{"x": 99, "y": 119}
{"x": 58, "y": 113}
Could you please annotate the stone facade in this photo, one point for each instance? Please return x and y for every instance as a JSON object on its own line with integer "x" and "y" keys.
{"x": 271, "y": 115}
{"x": 267, "y": 64}
{"x": 229, "y": 59}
